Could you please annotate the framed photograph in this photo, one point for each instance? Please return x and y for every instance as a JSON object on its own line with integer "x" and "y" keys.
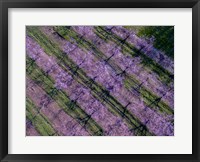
{"x": 99, "y": 80}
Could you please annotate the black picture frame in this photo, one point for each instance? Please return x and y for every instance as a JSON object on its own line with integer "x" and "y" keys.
{"x": 6, "y": 4}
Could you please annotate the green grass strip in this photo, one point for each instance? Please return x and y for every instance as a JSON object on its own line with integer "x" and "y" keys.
{"x": 39, "y": 121}
{"x": 148, "y": 97}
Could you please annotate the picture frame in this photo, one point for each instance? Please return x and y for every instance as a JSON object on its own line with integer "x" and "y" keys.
{"x": 4, "y": 86}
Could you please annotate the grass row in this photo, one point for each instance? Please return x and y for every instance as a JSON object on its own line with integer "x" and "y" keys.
{"x": 151, "y": 100}
{"x": 38, "y": 120}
